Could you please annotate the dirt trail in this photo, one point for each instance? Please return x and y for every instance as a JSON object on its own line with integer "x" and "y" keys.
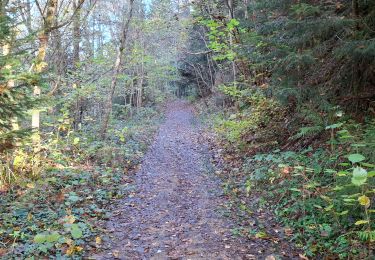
{"x": 174, "y": 213}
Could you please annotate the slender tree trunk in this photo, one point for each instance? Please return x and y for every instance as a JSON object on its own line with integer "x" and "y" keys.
{"x": 356, "y": 65}
{"x": 116, "y": 71}
{"x": 40, "y": 65}
{"x": 140, "y": 85}
{"x": 77, "y": 6}
{"x": 231, "y": 36}
{"x": 246, "y": 5}
{"x": 230, "y": 5}
{"x": 10, "y": 84}
{"x": 131, "y": 103}
{"x": 355, "y": 6}
{"x": 78, "y": 113}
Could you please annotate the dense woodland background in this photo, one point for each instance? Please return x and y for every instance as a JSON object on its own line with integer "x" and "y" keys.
{"x": 286, "y": 85}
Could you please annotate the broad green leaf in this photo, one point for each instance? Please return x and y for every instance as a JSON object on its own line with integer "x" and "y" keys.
{"x": 53, "y": 237}
{"x": 337, "y": 188}
{"x": 359, "y": 176}
{"x": 342, "y": 173}
{"x": 328, "y": 208}
{"x": 326, "y": 198}
{"x": 40, "y": 238}
{"x": 261, "y": 234}
{"x": 76, "y": 141}
{"x": 344, "y": 164}
{"x": 370, "y": 165}
{"x": 356, "y": 157}
{"x": 76, "y": 231}
{"x": 361, "y": 222}
{"x": 343, "y": 213}
{"x": 334, "y": 126}
{"x": 329, "y": 171}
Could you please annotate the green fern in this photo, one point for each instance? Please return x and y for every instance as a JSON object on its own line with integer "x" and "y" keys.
{"x": 367, "y": 235}
{"x": 308, "y": 131}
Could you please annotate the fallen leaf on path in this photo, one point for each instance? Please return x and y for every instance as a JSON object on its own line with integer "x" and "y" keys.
{"x": 98, "y": 240}
{"x": 288, "y": 232}
{"x": 116, "y": 253}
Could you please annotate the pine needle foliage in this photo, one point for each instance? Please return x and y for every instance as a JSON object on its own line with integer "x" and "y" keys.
{"x": 15, "y": 83}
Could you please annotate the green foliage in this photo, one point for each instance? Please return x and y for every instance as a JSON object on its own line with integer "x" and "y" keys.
{"x": 325, "y": 197}
{"x": 302, "y": 78}
{"x": 312, "y": 48}
{"x": 255, "y": 125}
{"x": 15, "y": 85}
{"x": 303, "y": 10}
{"x": 220, "y": 34}
{"x": 58, "y": 213}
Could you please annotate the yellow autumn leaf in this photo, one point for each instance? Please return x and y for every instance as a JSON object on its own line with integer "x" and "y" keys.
{"x": 116, "y": 253}
{"x": 30, "y": 185}
{"x": 364, "y": 201}
{"x": 70, "y": 219}
{"x": 98, "y": 240}
{"x": 73, "y": 249}
{"x": 70, "y": 251}
{"x": 40, "y": 66}
{"x": 18, "y": 160}
{"x": 261, "y": 235}
{"x": 361, "y": 222}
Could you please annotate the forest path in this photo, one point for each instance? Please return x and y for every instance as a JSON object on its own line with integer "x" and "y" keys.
{"x": 174, "y": 212}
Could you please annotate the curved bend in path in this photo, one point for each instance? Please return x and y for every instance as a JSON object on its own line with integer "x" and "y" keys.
{"x": 174, "y": 212}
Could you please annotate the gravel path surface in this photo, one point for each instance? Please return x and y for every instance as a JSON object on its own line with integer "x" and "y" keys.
{"x": 174, "y": 212}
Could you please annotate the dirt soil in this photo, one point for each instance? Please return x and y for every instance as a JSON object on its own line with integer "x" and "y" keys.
{"x": 175, "y": 210}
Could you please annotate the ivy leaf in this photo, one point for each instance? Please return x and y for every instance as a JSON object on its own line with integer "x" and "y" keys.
{"x": 359, "y": 176}
{"x": 356, "y": 157}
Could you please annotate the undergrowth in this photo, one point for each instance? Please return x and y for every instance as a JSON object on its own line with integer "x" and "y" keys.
{"x": 56, "y": 212}
{"x": 322, "y": 193}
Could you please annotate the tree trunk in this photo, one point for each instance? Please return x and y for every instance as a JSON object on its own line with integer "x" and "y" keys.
{"x": 140, "y": 85}
{"x": 40, "y": 65}
{"x": 116, "y": 71}
{"x": 77, "y": 6}
{"x": 78, "y": 113}
{"x": 10, "y": 84}
{"x": 246, "y": 5}
{"x": 231, "y": 36}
